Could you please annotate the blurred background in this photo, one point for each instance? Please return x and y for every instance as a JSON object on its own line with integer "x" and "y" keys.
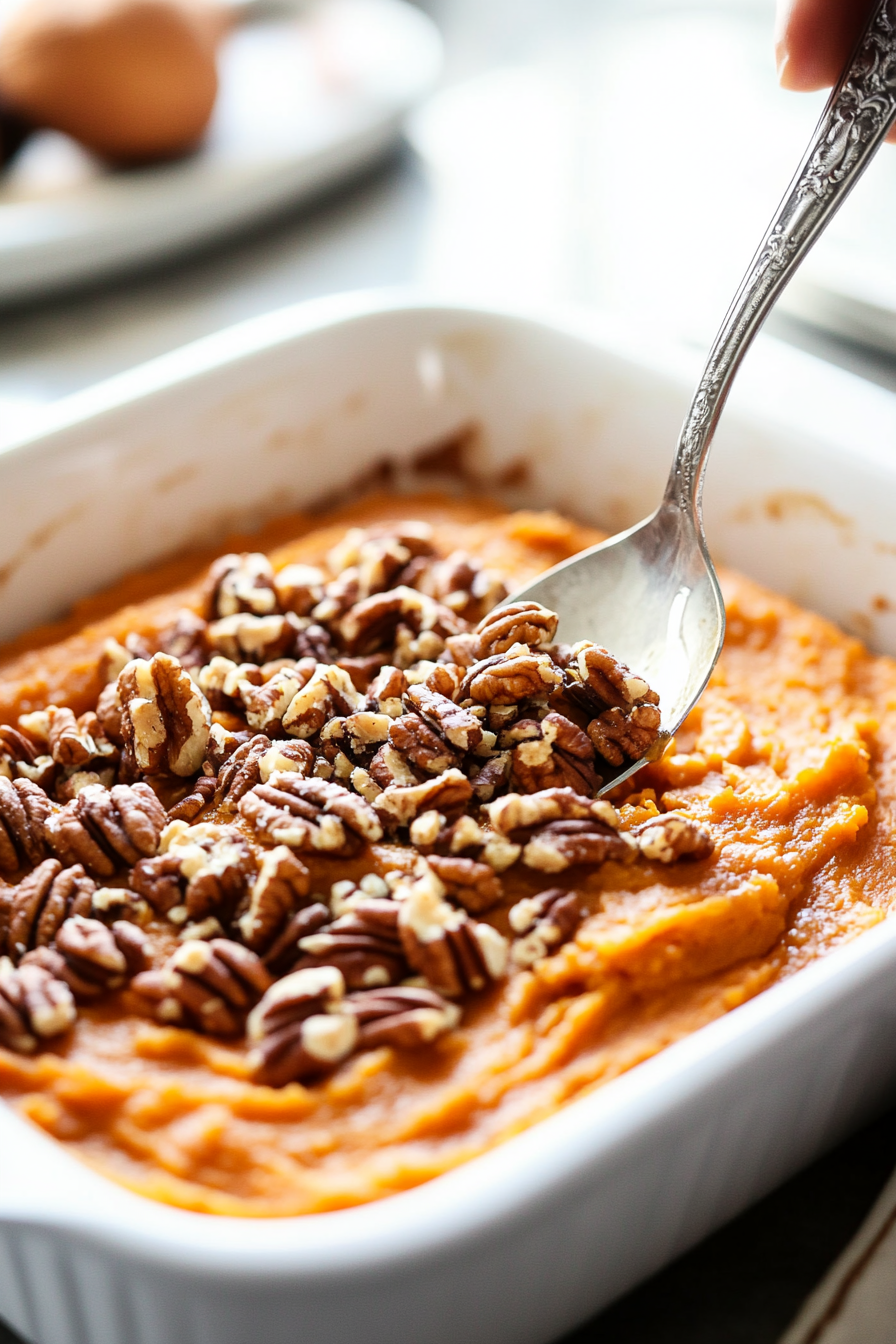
{"x": 624, "y": 153}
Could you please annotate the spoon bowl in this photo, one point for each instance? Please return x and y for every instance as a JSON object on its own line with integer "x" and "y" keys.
{"x": 650, "y": 595}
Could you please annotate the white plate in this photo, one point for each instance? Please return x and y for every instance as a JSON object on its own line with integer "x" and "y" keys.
{"x": 526, "y": 1241}
{"x": 303, "y": 102}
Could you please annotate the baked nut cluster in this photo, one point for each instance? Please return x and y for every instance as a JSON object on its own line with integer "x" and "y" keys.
{"x": 383, "y": 715}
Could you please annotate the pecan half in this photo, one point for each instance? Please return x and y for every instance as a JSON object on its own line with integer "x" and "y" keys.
{"x": 25, "y": 811}
{"x": 34, "y": 1007}
{"x": 458, "y": 726}
{"x": 507, "y": 678}
{"x": 103, "y": 828}
{"x": 283, "y": 953}
{"x": 206, "y": 985}
{"x": 92, "y": 958}
{"x": 461, "y": 583}
{"x": 300, "y": 1028}
{"x": 254, "y": 763}
{"x": 620, "y": 736}
{"x": 165, "y": 718}
{"x": 327, "y": 692}
{"x": 473, "y": 885}
{"x": 281, "y": 887}
{"x": 448, "y": 793}
{"x": 200, "y": 870}
{"x": 558, "y": 828}
{"x": 40, "y": 903}
{"x": 372, "y": 623}
{"x": 399, "y": 1016}
{"x": 672, "y": 836}
{"x": 419, "y": 744}
{"x": 363, "y": 943}
{"x": 237, "y": 583}
{"x": 542, "y": 923}
{"x": 519, "y": 623}
{"x": 626, "y": 713}
{"x": 443, "y": 944}
{"x": 312, "y": 814}
{"x": 550, "y": 753}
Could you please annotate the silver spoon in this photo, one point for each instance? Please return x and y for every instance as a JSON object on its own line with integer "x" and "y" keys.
{"x": 650, "y": 594}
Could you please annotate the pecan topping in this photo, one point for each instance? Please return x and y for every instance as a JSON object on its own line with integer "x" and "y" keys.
{"x": 258, "y": 639}
{"x": 552, "y": 753}
{"x": 40, "y": 903}
{"x": 672, "y": 836}
{"x": 313, "y": 814}
{"x": 240, "y": 583}
{"x": 492, "y": 775}
{"x": 372, "y": 623}
{"x": 329, "y": 691}
{"x": 461, "y": 583}
{"x": 301, "y": 1028}
{"x": 519, "y": 623}
{"x": 399, "y": 1016}
{"x": 68, "y": 739}
{"x": 206, "y": 985}
{"x": 165, "y": 717}
{"x": 91, "y": 958}
{"x": 473, "y": 885}
{"x": 448, "y": 793}
{"x": 199, "y": 870}
{"x": 458, "y": 726}
{"x": 34, "y": 1006}
{"x": 444, "y": 944}
{"x": 419, "y": 744}
{"x": 507, "y": 678}
{"x": 24, "y": 812}
{"x": 220, "y": 680}
{"x": 299, "y": 588}
{"x": 103, "y": 828}
{"x": 283, "y": 953}
{"x": 559, "y": 827}
{"x": 266, "y": 703}
{"x": 184, "y": 639}
{"x": 363, "y": 943}
{"x": 282, "y": 884}
{"x": 542, "y": 923}
{"x": 627, "y": 717}
{"x": 254, "y": 763}
{"x": 385, "y": 692}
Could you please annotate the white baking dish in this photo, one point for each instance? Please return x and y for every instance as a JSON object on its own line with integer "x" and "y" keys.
{"x": 523, "y": 1243}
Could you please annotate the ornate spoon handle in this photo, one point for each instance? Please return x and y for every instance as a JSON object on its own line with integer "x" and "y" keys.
{"x": 855, "y": 121}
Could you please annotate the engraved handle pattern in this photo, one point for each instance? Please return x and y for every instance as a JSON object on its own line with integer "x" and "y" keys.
{"x": 854, "y": 123}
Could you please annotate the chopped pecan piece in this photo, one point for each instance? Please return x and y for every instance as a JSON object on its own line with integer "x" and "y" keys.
{"x": 390, "y": 767}
{"x": 206, "y": 985}
{"x": 458, "y": 726}
{"x": 490, "y": 776}
{"x": 473, "y": 885}
{"x": 254, "y": 763}
{"x": 184, "y": 639}
{"x": 108, "y": 712}
{"x": 283, "y": 953}
{"x": 385, "y": 692}
{"x": 103, "y": 828}
{"x": 542, "y": 923}
{"x": 363, "y": 732}
{"x": 165, "y": 718}
{"x": 257, "y": 639}
{"x": 672, "y": 836}
{"x": 430, "y": 834}
{"x": 281, "y": 887}
{"x": 240, "y": 583}
{"x": 372, "y": 623}
{"x": 69, "y": 740}
{"x": 17, "y": 748}
{"x": 448, "y": 793}
{"x": 419, "y": 744}
{"x": 443, "y": 944}
{"x": 446, "y": 679}
{"x": 222, "y": 743}
{"x": 550, "y": 753}
{"x": 37, "y": 907}
{"x": 626, "y": 713}
{"x": 328, "y": 692}
{"x": 461, "y": 583}
{"x": 301, "y": 1028}
{"x": 91, "y": 958}
{"x": 189, "y": 807}
{"x": 313, "y": 814}
{"x": 363, "y": 943}
{"x": 400, "y": 1016}
{"x": 200, "y": 870}
{"x": 507, "y": 678}
{"x": 299, "y": 588}
{"x": 25, "y": 811}
{"x": 34, "y": 1006}
{"x": 559, "y": 827}
{"x": 220, "y": 681}
{"x": 519, "y": 623}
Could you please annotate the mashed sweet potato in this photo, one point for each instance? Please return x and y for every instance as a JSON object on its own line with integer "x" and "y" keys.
{"x": 789, "y": 761}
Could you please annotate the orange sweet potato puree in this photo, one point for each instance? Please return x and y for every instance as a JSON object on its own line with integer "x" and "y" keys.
{"x": 789, "y": 760}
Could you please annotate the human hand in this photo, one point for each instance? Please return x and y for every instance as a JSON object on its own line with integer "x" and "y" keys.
{"x": 813, "y": 39}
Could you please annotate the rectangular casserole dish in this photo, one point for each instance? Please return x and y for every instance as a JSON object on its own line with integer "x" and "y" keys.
{"x": 283, "y": 412}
